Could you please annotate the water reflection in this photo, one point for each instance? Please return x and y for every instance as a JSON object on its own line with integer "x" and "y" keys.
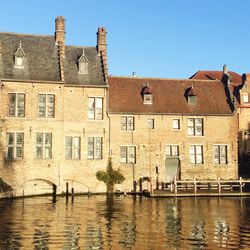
{"x": 100, "y": 222}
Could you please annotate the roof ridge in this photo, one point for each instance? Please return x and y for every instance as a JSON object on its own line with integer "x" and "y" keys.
{"x": 163, "y": 79}
{"x": 79, "y": 46}
{"x": 24, "y": 34}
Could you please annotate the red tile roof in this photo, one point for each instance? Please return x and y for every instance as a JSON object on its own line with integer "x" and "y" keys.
{"x": 216, "y": 75}
{"x": 169, "y": 96}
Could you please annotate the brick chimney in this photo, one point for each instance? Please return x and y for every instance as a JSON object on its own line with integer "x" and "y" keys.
{"x": 102, "y": 49}
{"x": 60, "y": 30}
{"x": 60, "y": 42}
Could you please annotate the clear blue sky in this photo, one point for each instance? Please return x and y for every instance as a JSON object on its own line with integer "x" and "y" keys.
{"x": 155, "y": 38}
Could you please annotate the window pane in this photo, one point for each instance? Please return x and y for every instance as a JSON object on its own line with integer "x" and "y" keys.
{"x": 19, "y": 152}
{"x": 68, "y": 147}
{"x": 130, "y": 124}
{"x": 192, "y": 154}
{"x": 76, "y": 146}
{"x": 47, "y": 152}
{"x": 41, "y": 105}
{"x": 245, "y": 97}
{"x": 39, "y": 152}
{"x": 10, "y": 139}
{"x": 131, "y": 154}
{"x": 151, "y": 123}
{"x": 12, "y": 104}
{"x": 90, "y": 147}
{"x": 191, "y": 122}
{"x": 19, "y": 138}
{"x": 91, "y": 108}
{"x": 10, "y": 153}
{"x": 98, "y": 147}
{"x": 175, "y": 150}
{"x": 123, "y": 154}
{"x": 176, "y": 124}
{"x": 20, "y": 105}
{"x": 168, "y": 150}
{"x": 190, "y": 130}
{"x": 216, "y": 155}
{"x": 123, "y": 122}
{"x": 51, "y": 106}
{"x": 39, "y": 138}
{"x": 48, "y": 137}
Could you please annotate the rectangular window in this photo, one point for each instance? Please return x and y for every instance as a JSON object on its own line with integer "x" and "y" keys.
{"x": 127, "y": 123}
{"x": 245, "y": 97}
{"x": 176, "y": 124}
{"x": 43, "y": 145}
{"x": 95, "y": 108}
{"x": 15, "y": 143}
{"x": 172, "y": 150}
{"x": 195, "y": 126}
{"x": 196, "y": 154}
{"x": 150, "y": 123}
{"x": 94, "y": 147}
{"x": 16, "y": 104}
{"x": 72, "y": 147}
{"x": 46, "y": 106}
{"x": 128, "y": 154}
{"x": 220, "y": 154}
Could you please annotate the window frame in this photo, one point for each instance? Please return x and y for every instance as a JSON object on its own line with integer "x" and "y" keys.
{"x": 44, "y": 145}
{"x": 73, "y": 149}
{"x": 14, "y": 146}
{"x": 171, "y": 150}
{"x": 95, "y": 148}
{"x": 173, "y": 124}
{"x": 244, "y": 96}
{"x": 128, "y": 154}
{"x": 16, "y": 104}
{"x": 127, "y": 123}
{"x": 150, "y": 123}
{"x": 147, "y": 99}
{"x": 96, "y": 112}
{"x": 194, "y": 127}
{"x": 46, "y": 106}
{"x": 195, "y": 160}
{"x": 220, "y": 154}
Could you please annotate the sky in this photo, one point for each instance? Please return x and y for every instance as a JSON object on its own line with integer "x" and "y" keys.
{"x": 154, "y": 38}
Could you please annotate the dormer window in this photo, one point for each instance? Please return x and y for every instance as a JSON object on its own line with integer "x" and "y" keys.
{"x": 19, "y": 57}
{"x": 147, "y": 95}
{"x": 83, "y": 64}
{"x": 245, "y": 97}
{"x": 192, "y": 98}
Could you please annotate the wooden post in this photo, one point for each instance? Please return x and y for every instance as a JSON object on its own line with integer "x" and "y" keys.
{"x": 67, "y": 191}
{"x": 240, "y": 185}
{"x": 54, "y": 192}
{"x": 219, "y": 186}
{"x": 195, "y": 187}
{"x": 140, "y": 183}
{"x": 72, "y": 194}
{"x": 175, "y": 186}
{"x": 162, "y": 185}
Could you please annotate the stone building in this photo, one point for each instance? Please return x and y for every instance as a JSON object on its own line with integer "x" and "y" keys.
{"x": 54, "y": 128}
{"x": 61, "y": 117}
{"x": 166, "y": 128}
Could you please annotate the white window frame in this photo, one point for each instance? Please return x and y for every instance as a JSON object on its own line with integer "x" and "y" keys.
{"x": 73, "y": 147}
{"x": 16, "y": 147}
{"x": 17, "y": 108}
{"x": 219, "y": 155}
{"x": 95, "y": 108}
{"x": 46, "y": 106}
{"x": 196, "y": 154}
{"x": 147, "y": 99}
{"x": 95, "y": 147}
{"x": 127, "y": 123}
{"x": 128, "y": 154}
{"x": 151, "y": 123}
{"x": 19, "y": 62}
{"x": 45, "y": 148}
{"x": 245, "y": 97}
{"x": 171, "y": 149}
{"x": 176, "y": 124}
{"x": 194, "y": 128}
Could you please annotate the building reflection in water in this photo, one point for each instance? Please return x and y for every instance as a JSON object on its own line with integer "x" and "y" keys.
{"x": 101, "y": 222}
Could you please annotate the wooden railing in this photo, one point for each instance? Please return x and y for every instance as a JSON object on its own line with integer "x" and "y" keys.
{"x": 197, "y": 186}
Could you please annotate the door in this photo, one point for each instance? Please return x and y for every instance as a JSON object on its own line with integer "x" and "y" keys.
{"x": 171, "y": 169}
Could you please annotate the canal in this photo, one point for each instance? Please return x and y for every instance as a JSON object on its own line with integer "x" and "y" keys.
{"x": 118, "y": 222}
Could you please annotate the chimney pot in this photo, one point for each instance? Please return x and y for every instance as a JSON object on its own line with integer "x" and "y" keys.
{"x": 225, "y": 69}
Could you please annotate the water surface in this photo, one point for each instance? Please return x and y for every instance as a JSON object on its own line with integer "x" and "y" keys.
{"x": 98, "y": 222}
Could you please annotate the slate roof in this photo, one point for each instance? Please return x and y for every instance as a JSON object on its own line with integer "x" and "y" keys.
{"x": 169, "y": 96}
{"x": 42, "y": 60}
{"x": 216, "y": 75}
